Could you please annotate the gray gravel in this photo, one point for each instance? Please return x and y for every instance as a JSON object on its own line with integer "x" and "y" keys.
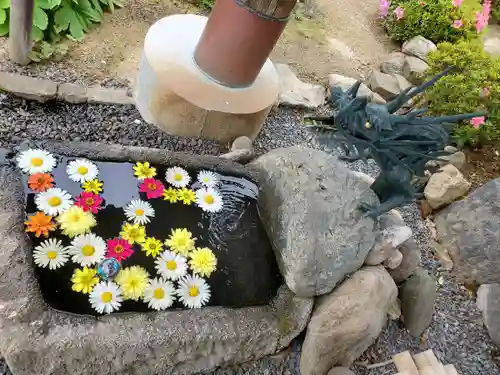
{"x": 456, "y": 335}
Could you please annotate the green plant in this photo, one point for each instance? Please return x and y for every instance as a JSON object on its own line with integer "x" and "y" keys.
{"x": 474, "y": 85}
{"x": 206, "y": 4}
{"x": 55, "y": 18}
{"x": 436, "y": 20}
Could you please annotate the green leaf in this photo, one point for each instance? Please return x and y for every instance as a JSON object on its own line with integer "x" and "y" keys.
{"x": 3, "y": 15}
{"x": 76, "y": 27}
{"x": 46, "y": 49}
{"x": 35, "y": 56}
{"x": 48, "y": 4}
{"x": 4, "y": 29}
{"x": 40, "y": 18}
{"x": 62, "y": 17}
{"x": 36, "y": 34}
{"x": 4, "y": 4}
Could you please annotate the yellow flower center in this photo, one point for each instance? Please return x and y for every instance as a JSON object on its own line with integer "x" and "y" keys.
{"x": 51, "y": 255}
{"x": 178, "y": 177}
{"x": 152, "y": 246}
{"x": 82, "y": 170}
{"x": 152, "y": 186}
{"x": 133, "y": 283}
{"x": 36, "y": 162}
{"x": 55, "y": 201}
{"x": 139, "y": 212}
{"x": 106, "y": 297}
{"x": 206, "y": 179}
{"x": 209, "y": 199}
{"x": 75, "y": 218}
{"x": 133, "y": 233}
{"x": 193, "y": 291}
{"x": 159, "y": 293}
{"x": 119, "y": 249}
{"x": 88, "y": 250}
{"x": 171, "y": 265}
{"x": 89, "y": 201}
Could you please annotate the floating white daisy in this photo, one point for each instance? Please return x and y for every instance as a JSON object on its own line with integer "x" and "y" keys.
{"x": 193, "y": 291}
{"x": 208, "y": 179}
{"x": 208, "y": 199}
{"x": 106, "y": 297}
{"x": 81, "y": 170}
{"x": 159, "y": 294}
{"x": 53, "y": 201}
{"x": 177, "y": 177}
{"x": 139, "y": 212}
{"x": 87, "y": 249}
{"x": 36, "y": 161}
{"x": 50, "y": 253}
{"x": 171, "y": 266}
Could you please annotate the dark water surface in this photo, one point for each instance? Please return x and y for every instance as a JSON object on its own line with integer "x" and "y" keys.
{"x": 246, "y": 275}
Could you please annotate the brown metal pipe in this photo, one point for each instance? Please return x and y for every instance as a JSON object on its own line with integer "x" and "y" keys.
{"x": 238, "y": 38}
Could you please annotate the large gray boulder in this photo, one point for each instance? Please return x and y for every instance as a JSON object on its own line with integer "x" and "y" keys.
{"x": 347, "y": 321}
{"x": 393, "y": 63}
{"x": 469, "y": 229}
{"x": 419, "y": 47}
{"x": 488, "y": 301}
{"x": 308, "y": 203}
{"x": 35, "y": 338}
{"x": 446, "y": 186}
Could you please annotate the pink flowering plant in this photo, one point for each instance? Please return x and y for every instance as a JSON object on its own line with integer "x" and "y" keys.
{"x": 437, "y": 20}
{"x": 474, "y": 86}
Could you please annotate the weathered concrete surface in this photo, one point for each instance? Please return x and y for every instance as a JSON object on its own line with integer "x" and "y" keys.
{"x": 34, "y": 337}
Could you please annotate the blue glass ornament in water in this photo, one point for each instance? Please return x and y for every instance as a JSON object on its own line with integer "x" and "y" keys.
{"x": 108, "y": 268}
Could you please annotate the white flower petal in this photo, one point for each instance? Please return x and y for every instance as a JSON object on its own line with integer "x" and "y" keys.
{"x": 208, "y": 199}
{"x": 159, "y": 294}
{"x": 36, "y": 161}
{"x": 193, "y": 291}
{"x": 106, "y": 297}
{"x": 139, "y": 212}
{"x": 87, "y": 249}
{"x": 81, "y": 170}
{"x": 50, "y": 253}
{"x": 177, "y": 177}
{"x": 208, "y": 179}
{"x": 53, "y": 201}
{"x": 171, "y": 266}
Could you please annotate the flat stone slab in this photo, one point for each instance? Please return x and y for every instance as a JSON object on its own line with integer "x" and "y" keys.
{"x": 35, "y": 336}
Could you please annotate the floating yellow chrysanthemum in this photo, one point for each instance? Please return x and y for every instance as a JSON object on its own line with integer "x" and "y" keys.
{"x": 93, "y": 186}
{"x": 84, "y": 280}
{"x": 144, "y": 170}
{"x": 181, "y": 241}
{"x": 186, "y": 196}
{"x": 75, "y": 221}
{"x": 132, "y": 281}
{"x": 133, "y": 233}
{"x": 171, "y": 195}
{"x": 203, "y": 261}
{"x": 152, "y": 246}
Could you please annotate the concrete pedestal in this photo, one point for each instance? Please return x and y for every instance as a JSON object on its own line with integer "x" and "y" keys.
{"x": 175, "y": 95}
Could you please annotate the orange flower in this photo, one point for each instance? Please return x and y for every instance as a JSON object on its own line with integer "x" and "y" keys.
{"x": 40, "y": 224}
{"x": 39, "y": 182}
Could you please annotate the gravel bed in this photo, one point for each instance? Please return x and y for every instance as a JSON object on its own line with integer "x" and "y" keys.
{"x": 457, "y": 334}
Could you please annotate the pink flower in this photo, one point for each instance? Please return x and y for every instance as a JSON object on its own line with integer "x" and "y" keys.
{"x": 119, "y": 249}
{"x": 485, "y": 92}
{"x": 89, "y": 202}
{"x": 457, "y": 24}
{"x": 153, "y": 188}
{"x": 457, "y": 3}
{"x": 422, "y": 4}
{"x": 483, "y": 17}
{"x": 383, "y": 8}
{"x": 399, "y": 12}
{"x": 476, "y": 122}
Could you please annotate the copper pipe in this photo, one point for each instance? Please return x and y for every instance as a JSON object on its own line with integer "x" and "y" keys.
{"x": 238, "y": 38}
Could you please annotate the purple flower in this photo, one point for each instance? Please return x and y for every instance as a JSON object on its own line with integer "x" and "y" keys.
{"x": 399, "y": 12}
{"x": 383, "y": 8}
{"x": 457, "y": 24}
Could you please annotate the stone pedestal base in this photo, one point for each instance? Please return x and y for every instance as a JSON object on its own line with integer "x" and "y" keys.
{"x": 172, "y": 93}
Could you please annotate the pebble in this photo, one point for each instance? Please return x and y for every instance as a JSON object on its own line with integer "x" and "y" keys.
{"x": 456, "y": 334}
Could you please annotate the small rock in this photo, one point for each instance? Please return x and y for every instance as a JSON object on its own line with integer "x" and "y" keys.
{"x": 241, "y": 143}
{"x": 384, "y": 84}
{"x": 394, "y": 260}
{"x": 345, "y": 83}
{"x": 488, "y": 301}
{"x": 442, "y": 254}
{"x": 137, "y": 121}
{"x": 295, "y": 93}
{"x": 418, "y": 47}
{"x": 347, "y": 321}
{"x": 450, "y": 149}
{"x": 492, "y": 46}
{"x": 469, "y": 230}
{"x": 239, "y": 156}
{"x": 364, "y": 177}
{"x": 456, "y": 159}
{"x": 104, "y": 95}
{"x": 393, "y": 64}
{"x": 378, "y": 99}
{"x": 41, "y": 90}
{"x": 403, "y": 83}
{"x": 411, "y": 260}
{"x": 72, "y": 93}
{"x": 445, "y": 186}
{"x": 424, "y": 207}
{"x": 417, "y": 296}
{"x": 340, "y": 48}
{"x": 413, "y": 68}
{"x": 340, "y": 371}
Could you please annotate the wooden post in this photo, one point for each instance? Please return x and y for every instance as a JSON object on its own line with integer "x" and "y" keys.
{"x": 21, "y": 20}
